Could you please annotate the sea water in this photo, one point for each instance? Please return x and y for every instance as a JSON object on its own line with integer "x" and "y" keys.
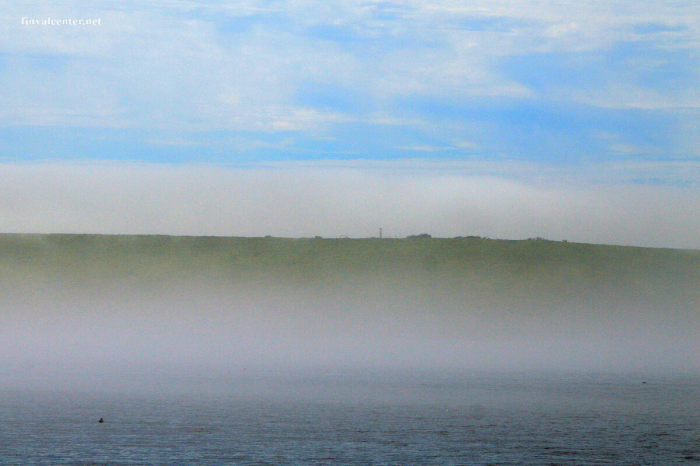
{"x": 371, "y": 419}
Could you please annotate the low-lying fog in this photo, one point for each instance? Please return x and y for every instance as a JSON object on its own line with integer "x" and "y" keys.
{"x": 186, "y": 333}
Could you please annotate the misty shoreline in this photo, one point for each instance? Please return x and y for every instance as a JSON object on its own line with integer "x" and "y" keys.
{"x": 90, "y": 307}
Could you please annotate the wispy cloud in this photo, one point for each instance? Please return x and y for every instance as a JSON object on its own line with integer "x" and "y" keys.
{"x": 181, "y": 54}
{"x": 522, "y": 81}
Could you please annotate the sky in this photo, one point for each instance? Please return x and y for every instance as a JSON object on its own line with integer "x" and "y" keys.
{"x": 508, "y": 119}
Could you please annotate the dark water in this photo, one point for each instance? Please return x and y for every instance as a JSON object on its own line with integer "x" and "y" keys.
{"x": 456, "y": 420}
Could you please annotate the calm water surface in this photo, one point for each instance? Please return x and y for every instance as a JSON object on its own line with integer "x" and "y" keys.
{"x": 456, "y": 420}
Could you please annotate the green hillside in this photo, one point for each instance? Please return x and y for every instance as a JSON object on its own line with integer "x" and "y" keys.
{"x": 483, "y": 272}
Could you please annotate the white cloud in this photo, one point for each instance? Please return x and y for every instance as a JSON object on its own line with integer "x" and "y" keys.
{"x": 166, "y": 64}
{"x": 426, "y": 148}
{"x": 354, "y": 200}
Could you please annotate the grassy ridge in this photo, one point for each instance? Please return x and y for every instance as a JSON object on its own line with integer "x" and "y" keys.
{"x": 479, "y": 271}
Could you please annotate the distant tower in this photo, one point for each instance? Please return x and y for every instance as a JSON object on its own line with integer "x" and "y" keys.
{"x": 380, "y": 233}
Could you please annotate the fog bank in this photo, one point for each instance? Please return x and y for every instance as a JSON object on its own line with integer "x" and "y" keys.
{"x": 98, "y": 311}
{"x": 353, "y": 200}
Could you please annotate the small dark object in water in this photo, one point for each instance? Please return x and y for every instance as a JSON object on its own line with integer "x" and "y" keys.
{"x": 101, "y": 420}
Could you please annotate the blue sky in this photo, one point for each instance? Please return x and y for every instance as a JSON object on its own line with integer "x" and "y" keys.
{"x": 588, "y": 92}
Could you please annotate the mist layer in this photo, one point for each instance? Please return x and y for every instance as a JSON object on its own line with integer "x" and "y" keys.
{"x": 88, "y": 307}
